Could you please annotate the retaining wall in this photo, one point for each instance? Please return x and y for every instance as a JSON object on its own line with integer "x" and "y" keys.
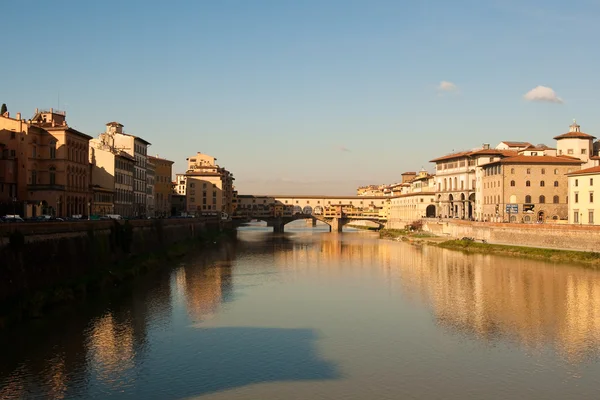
{"x": 558, "y": 236}
{"x": 38, "y": 255}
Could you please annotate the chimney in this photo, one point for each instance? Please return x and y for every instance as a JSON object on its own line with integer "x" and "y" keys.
{"x": 36, "y": 110}
{"x": 486, "y": 146}
{"x": 18, "y": 116}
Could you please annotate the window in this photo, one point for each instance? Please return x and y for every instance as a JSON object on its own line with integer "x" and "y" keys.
{"x": 555, "y": 183}
{"x": 34, "y": 151}
{"x": 512, "y": 183}
{"x": 591, "y": 197}
{"x": 542, "y": 183}
{"x": 591, "y": 181}
{"x": 591, "y": 216}
{"x": 12, "y": 135}
{"x": 570, "y": 151}
{"x": 560, "y": 152}
{"x": 542, "y": 199}
{"x": 582, "y": 151}
{"x": 528, "y": 199}
{"x": 512, "y": 171}
{"x": 52, "y": 150}
{"x": 555, "y": 199}
{"x": 576, "y": 197}
{"x": 34, "y": 177}
{"x": 543, "y": 171}
{"x": 576, "y": 216}
{"x": 528, "y": 170}
{"x": 555, "y": 171}
{"x": 52, "y": 175}
{"x": 576, "y": 182}
{"x": 527, "y": 183}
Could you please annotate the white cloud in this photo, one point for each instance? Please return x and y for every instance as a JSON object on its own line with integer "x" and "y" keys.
{"x": 544, "y": 94}
{"x": 446, "y": 86}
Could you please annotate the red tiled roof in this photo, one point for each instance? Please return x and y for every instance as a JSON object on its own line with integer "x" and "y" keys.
{"x": 593, "y": 170}
{"x": 408, "y": 173}
{"x": 521, "y": 159}
{"x": 516, "y": 144}
{"x": 574, "y": 135}
{"x": 480, "y": 152}
{"x": 451, "y": 156}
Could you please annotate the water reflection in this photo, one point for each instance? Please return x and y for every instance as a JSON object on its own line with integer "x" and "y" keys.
{"x": 189, "y": 330}
{"x": 491, "y": 297}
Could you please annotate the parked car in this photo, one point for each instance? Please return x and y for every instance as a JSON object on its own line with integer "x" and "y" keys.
{"x": 12, "y": 218}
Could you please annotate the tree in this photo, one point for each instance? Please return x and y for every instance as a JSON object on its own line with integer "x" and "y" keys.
{"x": 3, "y": 109}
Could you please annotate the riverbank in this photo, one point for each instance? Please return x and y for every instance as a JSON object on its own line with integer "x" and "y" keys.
{"x": 36, "y": 302}
{"x": 589, "y": 259}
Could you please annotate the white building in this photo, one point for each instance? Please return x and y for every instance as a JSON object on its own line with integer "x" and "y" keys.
{"x": 583, "y": 207}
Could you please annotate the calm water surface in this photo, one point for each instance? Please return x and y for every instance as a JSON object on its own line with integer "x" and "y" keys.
{"x": 314, "y": 315}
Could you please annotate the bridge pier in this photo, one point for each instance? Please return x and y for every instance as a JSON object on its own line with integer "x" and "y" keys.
{"x": 336, "y": 225}
{"x": 311, "y": 222}
{"x": 277, "y": 224}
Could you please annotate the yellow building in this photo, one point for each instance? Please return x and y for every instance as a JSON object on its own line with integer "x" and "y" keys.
{"x": 162, "y": 185}
{"x": 527, "y": 188}
{"x": 209, "y": 187}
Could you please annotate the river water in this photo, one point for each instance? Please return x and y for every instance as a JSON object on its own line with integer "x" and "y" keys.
{"x": 315, "y": 315}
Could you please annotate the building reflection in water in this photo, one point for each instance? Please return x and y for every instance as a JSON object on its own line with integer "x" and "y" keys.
{"x": 111, "y": 350}
{"x": 204, "y": 283}
{"x": 531, "y": 302}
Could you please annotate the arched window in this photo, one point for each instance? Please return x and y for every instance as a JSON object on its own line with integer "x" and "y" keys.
{"x": 512, "y": 183}
{"x": 52, "y": 175}
{"x": 555, "y": 200}
{"x": 556, "y": 171}
{"x": 543, "y": 171}
{"x": 528, "y": 199}
{"x": 542, "y": 199}
{"x": 527, "y": 183}
{"x": 555, "y": 183}
{"x": 528, "y": 170}
{"x": 542, "y": 183}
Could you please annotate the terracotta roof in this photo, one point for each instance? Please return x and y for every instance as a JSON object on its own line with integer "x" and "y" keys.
{"x": 408, "y": 173}
{"x": 595, "y": 158}
{"x": 480, "y": 152}
{"x": 535, "y": 148}
{"x": 521, "y": 159}
{"x": 451, "y": 156}
{"x": 160, "y": 159}
{"x": 593, "y": 170}
{"x": 574, "y": 135}
{"x": 516, "y": 144}
{"x": 494, "y": 152}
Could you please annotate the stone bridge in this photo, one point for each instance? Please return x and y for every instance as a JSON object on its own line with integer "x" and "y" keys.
{"x": 336, "y": 223}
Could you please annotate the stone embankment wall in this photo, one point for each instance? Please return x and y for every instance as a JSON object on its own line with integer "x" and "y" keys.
{"x": 35, "y": 256}
{"x": 557, "y": 236}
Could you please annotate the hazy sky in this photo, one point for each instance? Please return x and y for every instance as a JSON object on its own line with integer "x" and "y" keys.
{"x": 308, "y": 96}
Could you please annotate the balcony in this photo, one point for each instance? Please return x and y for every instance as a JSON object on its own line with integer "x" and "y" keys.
{"x": 38, "y": 187}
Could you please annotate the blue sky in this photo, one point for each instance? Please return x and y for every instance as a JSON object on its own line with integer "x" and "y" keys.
{"x": 307, "y": 96}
